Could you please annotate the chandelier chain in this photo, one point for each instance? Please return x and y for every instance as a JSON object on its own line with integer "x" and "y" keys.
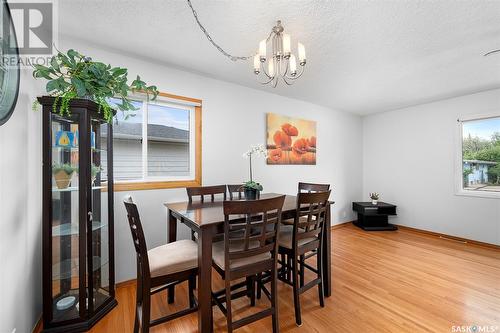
{"x": 210, "y": 39}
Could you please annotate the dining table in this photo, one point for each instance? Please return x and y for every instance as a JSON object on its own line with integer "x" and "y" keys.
{"x": 207, "y": 220}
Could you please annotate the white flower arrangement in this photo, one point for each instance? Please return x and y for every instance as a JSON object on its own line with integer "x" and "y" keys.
{"x": 256, "y": 150}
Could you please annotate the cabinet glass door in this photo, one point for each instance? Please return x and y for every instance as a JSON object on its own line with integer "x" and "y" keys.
{"x": 100, "y": 214}
{"x": 65, "y": 225}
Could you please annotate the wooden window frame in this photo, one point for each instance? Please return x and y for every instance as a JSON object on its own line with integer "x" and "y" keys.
{"x": 157, "y": 185}
{"x": 458, "y": 183}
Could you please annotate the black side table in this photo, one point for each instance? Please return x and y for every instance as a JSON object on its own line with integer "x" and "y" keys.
{"x": 374, "y": 217}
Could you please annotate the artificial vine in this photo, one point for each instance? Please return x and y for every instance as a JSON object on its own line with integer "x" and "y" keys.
{"x": 73, "y": 75}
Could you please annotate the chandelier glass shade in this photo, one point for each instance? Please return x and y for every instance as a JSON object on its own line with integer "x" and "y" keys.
{"x": 275, "y": 60}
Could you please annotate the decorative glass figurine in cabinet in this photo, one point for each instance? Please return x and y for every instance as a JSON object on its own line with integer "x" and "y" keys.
{"x": 78, "y": 244}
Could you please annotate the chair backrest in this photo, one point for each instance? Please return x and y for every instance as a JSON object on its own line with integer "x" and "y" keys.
{"x": 134, "y": 222}
{"x": 251, "y": 228}
{"x": 202, "y": 191}
{"x": 310, "y": 187}
{"x": 236, "y": 191}
{"x": 310, "y": 216}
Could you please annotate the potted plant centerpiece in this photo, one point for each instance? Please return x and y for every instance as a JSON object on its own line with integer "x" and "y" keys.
{"x": 62, "y": 175}
{"x": 72, "y": 75}
{"x": 252, "y": 189}
{"x": 374, "y": 196}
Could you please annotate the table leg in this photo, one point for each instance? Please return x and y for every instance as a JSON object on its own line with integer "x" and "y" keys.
{"x": 172, "y": 237}
{"x": 327, "y": 260}
{"x": 205, "y": 237}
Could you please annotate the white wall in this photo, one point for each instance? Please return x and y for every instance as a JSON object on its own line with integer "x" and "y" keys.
{"x": 233, "y": 119}
{"x": 409, "y": 157}
{"x": 20, "y": 217}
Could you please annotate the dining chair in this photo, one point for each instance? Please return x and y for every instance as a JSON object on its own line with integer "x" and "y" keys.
{"x": 311, "y": 187}
{"x": 247, "y": 254}
{"x": 303, "y": 188}
{"x": 305, "y": 237}
{"x": 236, "y": 192}
{"x": 203, "y": 191}
{"x": 158, "y": 269}
{"x": 308, "y": 188}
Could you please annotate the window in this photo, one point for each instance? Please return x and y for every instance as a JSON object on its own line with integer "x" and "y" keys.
{"x": 479, "y": 162}
{"x": 159, "y": 146}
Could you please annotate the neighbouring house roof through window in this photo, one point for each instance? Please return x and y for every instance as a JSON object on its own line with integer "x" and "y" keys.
{"x": 161, "y": 133}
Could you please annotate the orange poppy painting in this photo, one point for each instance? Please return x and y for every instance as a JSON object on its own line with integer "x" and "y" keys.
{"x": 290, "y": 140}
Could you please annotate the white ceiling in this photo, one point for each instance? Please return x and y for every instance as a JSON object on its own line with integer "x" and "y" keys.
{"x": 363, "y": 56}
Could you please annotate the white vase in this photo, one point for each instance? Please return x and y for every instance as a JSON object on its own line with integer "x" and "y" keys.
{"x": 374, "y": 202}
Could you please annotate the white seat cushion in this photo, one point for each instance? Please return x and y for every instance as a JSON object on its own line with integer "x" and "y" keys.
{"x": 219, "y": 258}
{"x": 286, "y": 235}
{"x": 173, "y": 257}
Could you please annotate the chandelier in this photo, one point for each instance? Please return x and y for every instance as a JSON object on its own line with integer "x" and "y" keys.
{"x": 281, "y": 63}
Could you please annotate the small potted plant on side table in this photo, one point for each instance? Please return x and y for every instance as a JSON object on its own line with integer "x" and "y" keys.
{"x": 252, "y": 189}
{"x": 374, "y": 196}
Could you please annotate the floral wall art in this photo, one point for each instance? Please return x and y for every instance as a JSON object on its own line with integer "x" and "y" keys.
{"x": 290, "y": 140}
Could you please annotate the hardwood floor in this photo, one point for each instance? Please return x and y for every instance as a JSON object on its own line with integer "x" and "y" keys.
{"x": 400, "y": 281}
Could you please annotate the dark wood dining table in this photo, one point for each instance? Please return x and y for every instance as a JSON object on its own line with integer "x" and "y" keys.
{"x": 207, "y": 219}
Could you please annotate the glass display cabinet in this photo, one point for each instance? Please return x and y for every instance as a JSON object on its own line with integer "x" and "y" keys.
{"x": 78, "y": 245}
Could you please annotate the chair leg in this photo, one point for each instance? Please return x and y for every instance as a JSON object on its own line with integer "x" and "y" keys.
{"x": 259, "y": 285}
{"x": 289, "y": 268}
{"x": 251, "y": 289}
{"x": 146, "y": 313}
{"x": 283, "y": 266}
{"x": 252, "y": 298}
{"x": 302, "y": 260}
{"x": 296, "y": 299}
{"x": 192, "y": 235}
{"x": 321, "y": 293}
{"x": 229, "y": 315}
{"x": 274, "y": 300}
{"x": 136, "y": 320}
{"x": 191, "y": 287}
{"x": 138, "y": 305}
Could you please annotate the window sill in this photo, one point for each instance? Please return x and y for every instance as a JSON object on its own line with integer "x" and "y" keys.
{"x": 478, "y": 194}
{"x": 155, "y": 185}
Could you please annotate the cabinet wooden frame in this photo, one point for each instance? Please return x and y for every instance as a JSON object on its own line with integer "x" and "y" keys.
{"x": 84, "y": 111}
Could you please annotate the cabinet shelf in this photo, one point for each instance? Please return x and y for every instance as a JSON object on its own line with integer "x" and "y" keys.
{"x": 74, "y": 149}
{"x": 67, "y": 229}
{"x": 72, "y": 312}
{"x": 64, "y": 270}
{"x": 76, "y": 188}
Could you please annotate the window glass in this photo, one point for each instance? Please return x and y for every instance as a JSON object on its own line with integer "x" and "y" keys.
{"x": 127, "y": 143}
{"x": 481, "y": 155}
{"x": 168, "y": 141}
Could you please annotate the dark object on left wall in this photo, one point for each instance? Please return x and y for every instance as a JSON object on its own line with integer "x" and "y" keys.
{"x": 78, "y": 221}
{"x": 9, "y": 82}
